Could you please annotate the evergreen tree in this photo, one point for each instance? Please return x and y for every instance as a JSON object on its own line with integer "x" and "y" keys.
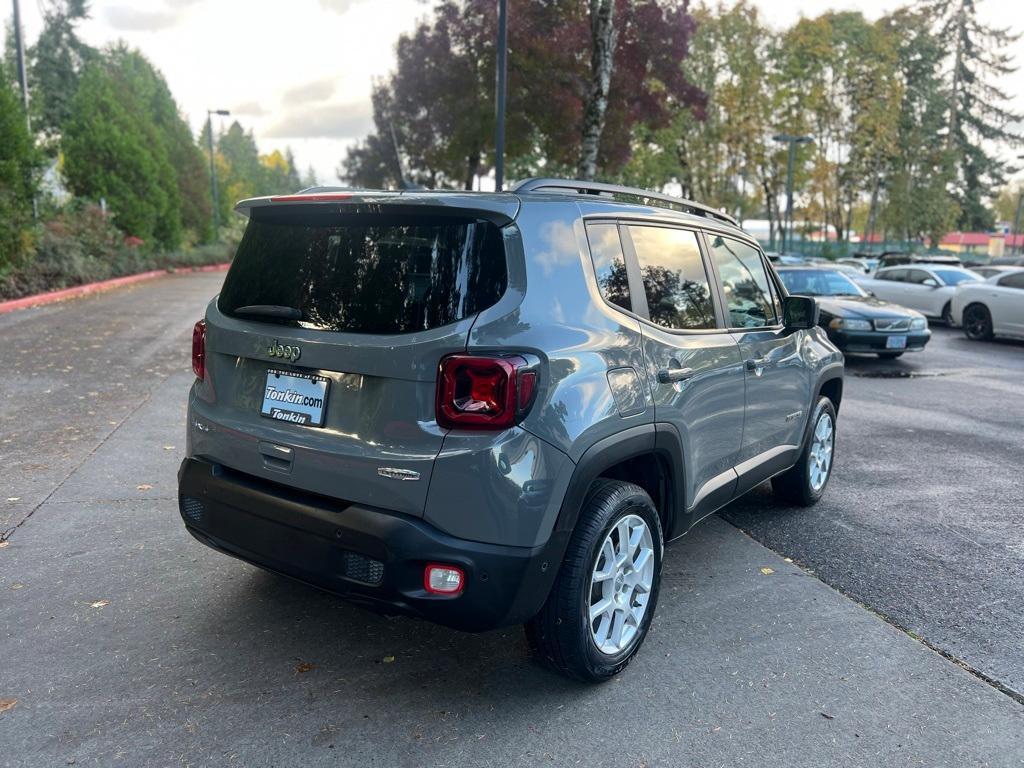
{"x": 113, "y": 150}
{"x": 55, "y": 64}
{"x": 191, "y": 170}
{"x": 19, "y": 167}
{"x": 977, "y": 117}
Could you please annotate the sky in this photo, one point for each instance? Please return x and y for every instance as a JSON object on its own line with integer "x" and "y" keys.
{"x": 299, "y": 72}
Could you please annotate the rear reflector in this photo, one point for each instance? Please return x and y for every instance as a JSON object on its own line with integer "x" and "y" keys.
{"x": 443, "y": 579}
{"x": 199, "y": 349}
{"x": 478, "y": 392}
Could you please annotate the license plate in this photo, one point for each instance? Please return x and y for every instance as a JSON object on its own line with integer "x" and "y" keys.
{"x": 896, "y": 342}
{"x": 298, "y": 398}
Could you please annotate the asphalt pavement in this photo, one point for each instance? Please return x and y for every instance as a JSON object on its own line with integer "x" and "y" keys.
{"x": 125, "y": 642}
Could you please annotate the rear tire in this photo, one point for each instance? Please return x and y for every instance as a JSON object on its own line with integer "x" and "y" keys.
{"x": 977, "y": 322}
{"x": 805, "y": 483}
{"x": 595, "y": 574}
{"x": 889, "y": 355}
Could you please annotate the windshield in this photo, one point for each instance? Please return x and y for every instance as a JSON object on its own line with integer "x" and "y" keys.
{"x": 819, "y": 282}
{"x": 955, "y": 276}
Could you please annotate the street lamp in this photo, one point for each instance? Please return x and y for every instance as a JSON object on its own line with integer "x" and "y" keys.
{"x": 792, "y": 141}
{"x": 213, "y": 170}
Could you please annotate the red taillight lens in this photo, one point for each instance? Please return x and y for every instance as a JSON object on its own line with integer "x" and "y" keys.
{"x": 475, "y": 392}
{"x": 199, "y": 349}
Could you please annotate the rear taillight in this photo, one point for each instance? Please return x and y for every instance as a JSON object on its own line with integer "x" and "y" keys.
{"x": 477, "y": 392}
{"x": 199, "y": 349}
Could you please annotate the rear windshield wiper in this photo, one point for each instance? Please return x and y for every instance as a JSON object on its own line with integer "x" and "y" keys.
{"x": 275, "y": 311}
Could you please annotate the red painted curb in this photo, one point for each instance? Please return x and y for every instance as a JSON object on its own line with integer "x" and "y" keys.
{"x": 52, "y": 297}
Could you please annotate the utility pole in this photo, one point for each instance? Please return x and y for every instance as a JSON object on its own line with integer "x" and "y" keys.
{"x": 792, "y": 141}
{"x": 213, "y": 170}
{"x": 19, "y": 50}
{"x": 1017, "y": 247}
{"x": 499, "y": 128}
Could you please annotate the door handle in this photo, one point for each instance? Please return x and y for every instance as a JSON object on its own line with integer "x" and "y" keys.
{"x": 755, "y": 363}
{"x": 672, "y": 375}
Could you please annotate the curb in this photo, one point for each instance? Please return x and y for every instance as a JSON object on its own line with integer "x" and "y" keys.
{"x": 41, "y": 299}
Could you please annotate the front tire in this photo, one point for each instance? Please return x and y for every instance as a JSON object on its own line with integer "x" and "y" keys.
{"x": 603, "y": 599}
{"x": 804, "y": 484}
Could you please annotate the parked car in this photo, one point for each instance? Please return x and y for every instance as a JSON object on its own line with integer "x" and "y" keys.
{"x": 893, "y": 259}
{"x": 1007, "y": 261}
{"x": 928, "y": 288}
{"x": 988, "y": 270}
{"x": 784, "y": 258}
{"x": 994, "y": 307}
{"x": 855, "y": 321}
{"x": 491, "y": 409}
{"x": 861, "y": 265}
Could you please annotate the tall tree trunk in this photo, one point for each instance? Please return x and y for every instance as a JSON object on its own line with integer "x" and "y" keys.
{"x": 603, "y": 36}
{"x": 472, "y": 166}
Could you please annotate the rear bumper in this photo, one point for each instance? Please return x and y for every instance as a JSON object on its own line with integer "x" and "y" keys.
{"x": 874, "y": 341}
{"x": 370, "y": 556}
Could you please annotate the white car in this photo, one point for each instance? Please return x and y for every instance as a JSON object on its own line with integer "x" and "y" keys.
{"x": 994, "y": 307}
{"x": 928, "y": 288}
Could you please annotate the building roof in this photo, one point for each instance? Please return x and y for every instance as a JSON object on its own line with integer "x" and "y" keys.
{"x": 966, "y": 238}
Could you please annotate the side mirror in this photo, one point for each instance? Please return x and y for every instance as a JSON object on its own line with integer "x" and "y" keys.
{"x": 930, "y": 282}
{"x": 799, "y": 312}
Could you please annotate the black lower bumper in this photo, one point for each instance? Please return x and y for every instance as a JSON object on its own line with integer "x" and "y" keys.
{"x": 875, "y": 341}
{"x": 370, "y": 556}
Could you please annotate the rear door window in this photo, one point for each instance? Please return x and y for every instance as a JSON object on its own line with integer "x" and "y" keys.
{"x": 675, "y": 280}
{"x": 750, "y": 302}
{"x": 1016, "y": 280}
{"x": 365, "y": 274}
{"x": 609, "y": 264}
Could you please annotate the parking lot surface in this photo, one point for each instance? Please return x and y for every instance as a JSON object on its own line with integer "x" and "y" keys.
{"x": 125, "y": 642}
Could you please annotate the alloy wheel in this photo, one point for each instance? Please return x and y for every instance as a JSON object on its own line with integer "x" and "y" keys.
{"x": 820, "y": 456}
{"x": 620, "y": 585}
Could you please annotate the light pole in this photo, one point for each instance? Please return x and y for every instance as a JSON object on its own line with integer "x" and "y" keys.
{"x": 213, "y": 170}
{"x": 499, "y": 128}
{"x": 792, "y": 141}
{"x": 19, "y": 52}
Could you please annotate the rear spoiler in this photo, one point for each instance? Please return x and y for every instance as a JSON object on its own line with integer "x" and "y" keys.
{"x": 500, "y": 209}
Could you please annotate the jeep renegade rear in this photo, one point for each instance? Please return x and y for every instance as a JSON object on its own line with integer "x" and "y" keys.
{"x": 489, "y": 409}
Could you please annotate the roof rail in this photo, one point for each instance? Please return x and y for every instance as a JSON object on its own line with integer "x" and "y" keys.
{"x": 600, "y": 188}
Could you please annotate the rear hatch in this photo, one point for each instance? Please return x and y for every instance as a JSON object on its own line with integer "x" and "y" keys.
{"x": 322, "y": 349}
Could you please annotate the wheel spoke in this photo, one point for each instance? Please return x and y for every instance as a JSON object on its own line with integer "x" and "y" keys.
{"x": 641, "y": 562}
{"x": 600, "y": 608}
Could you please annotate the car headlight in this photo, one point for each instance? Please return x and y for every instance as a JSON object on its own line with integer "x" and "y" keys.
{"x": 850, "y": 324}
{"x": 918, "y": 324}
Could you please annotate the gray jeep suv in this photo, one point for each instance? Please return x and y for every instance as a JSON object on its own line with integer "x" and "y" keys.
{"x": 491, "y": 409}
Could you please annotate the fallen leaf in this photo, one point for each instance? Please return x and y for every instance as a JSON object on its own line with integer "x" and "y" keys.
{"x": 14, "y": 498}
{"x": 788, "y": 559}
{"x": 388, "y": 659}
{"x": 168, "y": 447}
{"x": 6, "y": 704}
{"x": 143, "y": 487}
{"x": 767, "y": 571}
{"x": 99, "y": 604}
{"x": 827, "y": 716}
{"x": 304, "y": 667}
{"x": 17, "y": 586}
{"x": 4, "y": 544}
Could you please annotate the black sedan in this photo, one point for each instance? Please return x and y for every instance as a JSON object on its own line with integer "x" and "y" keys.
{"x": 855, "y": 320}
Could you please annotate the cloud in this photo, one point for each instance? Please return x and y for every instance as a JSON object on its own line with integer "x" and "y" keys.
{"x": 130, "y": 19}
{"x": 250, "y": 109}
{"x": 340, "y": 7}
{"x": 330, "y": 121}
{"x": 318, "y": 90}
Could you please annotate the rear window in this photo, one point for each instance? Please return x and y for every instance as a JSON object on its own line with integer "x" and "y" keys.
{"x": 366, "y": 274}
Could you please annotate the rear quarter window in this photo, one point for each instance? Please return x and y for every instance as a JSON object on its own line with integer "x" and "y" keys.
{"x": 366, "y": 274}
